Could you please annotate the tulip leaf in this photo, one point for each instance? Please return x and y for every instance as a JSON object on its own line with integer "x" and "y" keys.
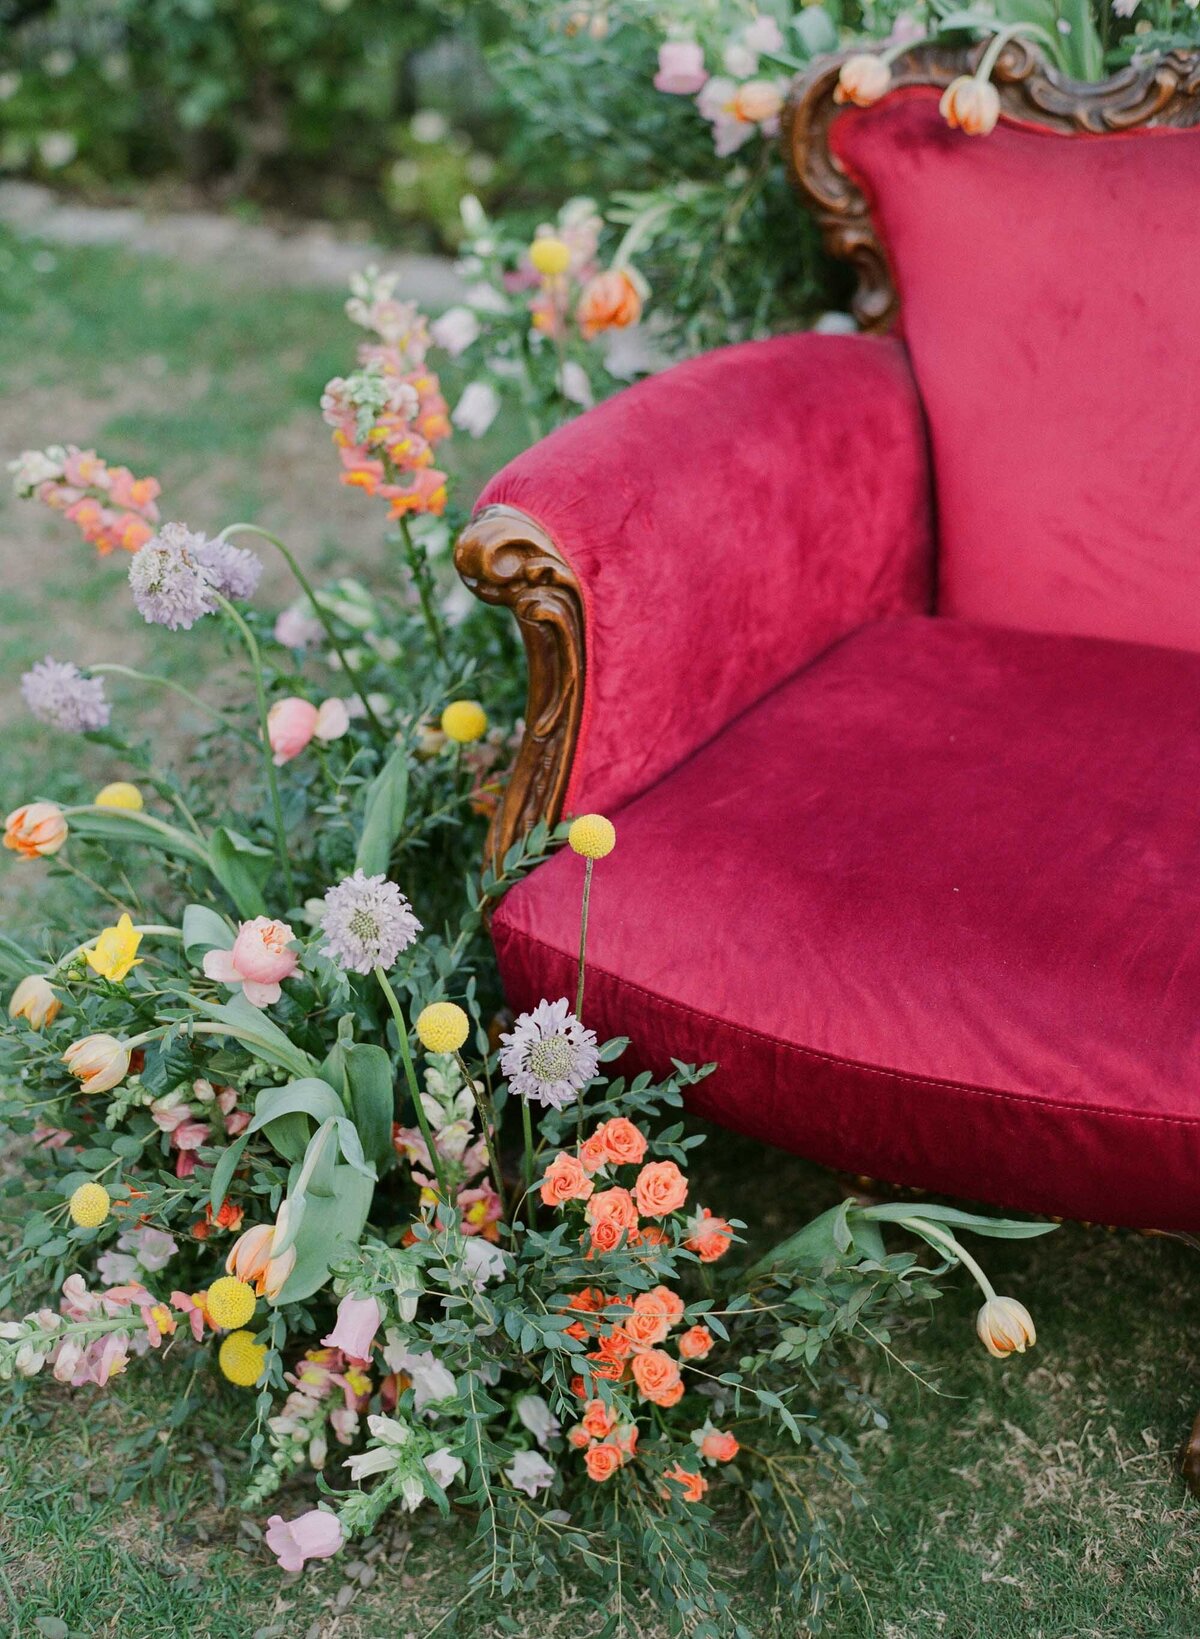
{"x": 383, "y": 815}
{"x": 256, "y": 1032}
{"x": 372, "y": 1099}
{"x": 1004, "y": 1229}
{"x": 242, "y": 868}
{"x": 330, "y": 1226}
{"x": 283, "y": 1114}
{"x": 204, "y": 930}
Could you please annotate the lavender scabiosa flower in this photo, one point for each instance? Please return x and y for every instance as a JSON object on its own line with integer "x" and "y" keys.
{"x": 548, "y": 1056}
{"x": 57, "y": 692}
{"x": 367, "y": 922}
{"x": 171, "y": 586}
{"x": 233, "y": 571}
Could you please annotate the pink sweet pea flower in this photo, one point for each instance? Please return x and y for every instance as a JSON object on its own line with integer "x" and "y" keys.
{"x": 358, "y": 1319}
{"x": 291, "y": 724}
{"x": 681, "y": 70}
{"x": 314, "y": 1535}
{"x": 261, "y": 957}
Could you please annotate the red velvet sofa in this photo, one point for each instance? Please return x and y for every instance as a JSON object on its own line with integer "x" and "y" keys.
{"x": 883, "y": 654}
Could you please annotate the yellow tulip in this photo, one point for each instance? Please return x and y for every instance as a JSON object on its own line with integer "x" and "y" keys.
{"x": 115, "y": 951}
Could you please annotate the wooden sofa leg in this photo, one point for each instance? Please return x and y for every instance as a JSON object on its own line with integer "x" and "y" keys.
{"x": 1189, "y": 1460}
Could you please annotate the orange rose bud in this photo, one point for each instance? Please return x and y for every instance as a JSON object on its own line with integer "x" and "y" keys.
{"x": 696, "y": 1343}
{"x": 710, "y": 1237}
{"x": 565, "y": 1180}
{"x": 694, "y": 1485}
{"x": 610, "y": 301}
{"x": 719, "y": 1446}
{"x": 603, "y": 1461}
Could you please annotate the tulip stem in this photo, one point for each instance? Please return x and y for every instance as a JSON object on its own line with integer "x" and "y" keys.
{"x": 418, "y": 566}
{"x": 306, "y": 587}
{"x": 260, "y": 694}
{"x": 410, "y": 1076}
{"x": 948, "y": 1243}
{"x": 487, "y": 1120}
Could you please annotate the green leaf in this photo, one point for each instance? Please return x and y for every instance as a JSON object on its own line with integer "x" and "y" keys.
{"x": 204, "y": 930}
{"x": 242, "y": 868}
{"x": 372, "y": 1099}
{"x": 330, "y": 1226}
{"x": 224, "y": 1170}
{"x": 256, "y": 1032}
{"x": 16, "y": 963}
{"x": 383, "y": 815}
{"x": 1003, "y": 1229}
{"x": 283, "y": 1114}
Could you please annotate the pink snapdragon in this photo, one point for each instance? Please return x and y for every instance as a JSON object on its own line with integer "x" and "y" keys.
{"x": 358, "y": 1320}
{"x": 681, "y": 70}
{"x": 260, "y": 960}
{"x": 108, "y": 505}
{"x": 314, "y": 1535}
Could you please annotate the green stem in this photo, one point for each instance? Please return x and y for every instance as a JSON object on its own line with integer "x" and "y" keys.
{"x": 260, "y": 694}
{"x": 176, "y": 688}
{"x": 418, "y": 566}
{"x": 179, "y": 840}
{"x": 321, "y": 614}
{"x": 583, "y": 927}
{"x": 943, "y": 1237}
{"x": 527, "y": 1126}
{"x": 487, "y": 1120}
{"x": 410, "y": 1076}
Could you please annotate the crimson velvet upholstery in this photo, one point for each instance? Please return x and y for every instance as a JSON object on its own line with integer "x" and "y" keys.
{"x": 908, "y": 834}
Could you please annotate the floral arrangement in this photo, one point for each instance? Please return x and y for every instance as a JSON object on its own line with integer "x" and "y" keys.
{"x": 273, "y": 1122}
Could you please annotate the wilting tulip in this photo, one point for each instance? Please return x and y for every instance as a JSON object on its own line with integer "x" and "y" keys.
{"x": 37, "y": 829}
{"x": 252, "y": 1258}
{"x": 34, "y": 999}
{"x": 864, "y": 78}
{"x": 99, "y": 1062}
{"x": 1005, "y": 1327}
{"x": 971, "y": 104}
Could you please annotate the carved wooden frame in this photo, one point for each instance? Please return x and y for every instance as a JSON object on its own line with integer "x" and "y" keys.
{"x": 1163, "y": 91}
{"x": 506, "y": 558}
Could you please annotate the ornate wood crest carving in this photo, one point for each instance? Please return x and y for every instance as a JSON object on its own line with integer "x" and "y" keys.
{"x": 1165, "y": 91}
{"x": 505, "y": 558}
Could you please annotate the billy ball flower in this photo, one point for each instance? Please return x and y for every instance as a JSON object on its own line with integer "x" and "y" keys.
{"x": 550, "y": 256}
{"x": 593, "y": 836}
{"x": 230, "y": 1302}
{"x": 464, "y": 721}
{"x": 36, "y": 830}
{"x": 241, "y": 1359}
{"x": 367, "y": 922}
{"x": 89, "y": 1205}
{"x": 548, "y": 1056}
{"x": 58, "y": 693}
{"x": 120, "y": 794}
{"x": 442, "y": 1027}
{"x": 98, "y": 1061}
{"x": 171, "y": 585}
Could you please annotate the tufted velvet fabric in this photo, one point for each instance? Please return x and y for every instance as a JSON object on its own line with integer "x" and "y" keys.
{"x": 727, "y": 520}
{"x": 1047, "y": 294}
{"x": 931, "y": 906}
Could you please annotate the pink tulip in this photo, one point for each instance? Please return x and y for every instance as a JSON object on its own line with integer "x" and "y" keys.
{"x": 261, "y": 957}
{"x": 291, "y": 724}
{"x": 681, "y": 69}
{"x": 358, "y": 1319}
{"x": 314, "y": 1535}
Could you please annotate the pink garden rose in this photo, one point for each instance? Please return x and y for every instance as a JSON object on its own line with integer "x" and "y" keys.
{"x": 358, "y": 1319}
{"x": 261, "y": 957}
{"x": 681, "y": 70}
{"x": 314, "y": 1535}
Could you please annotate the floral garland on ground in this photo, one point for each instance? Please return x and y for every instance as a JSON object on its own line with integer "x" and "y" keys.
{"x": 486, "y": 1281}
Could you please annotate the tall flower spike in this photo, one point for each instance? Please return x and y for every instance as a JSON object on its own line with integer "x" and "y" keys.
{"x": 367, "y": 922}
{"x": 548, "y": 1056}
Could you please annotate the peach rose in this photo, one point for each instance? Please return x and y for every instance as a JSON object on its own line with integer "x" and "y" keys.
{"x": 579, "y": 1388}
{"x": 719, "y": 1446}
{"x": 863, "y": 79}
{"x": 606, "y": 1236}
{"x": 38, "y": 829}
{"x": 605, "y": 1368}
{"x": 593, "y": 1153}
{"x": 616, "y": 1344}
{"x": 602, "y": 1462}
{"x": 610, "y": 301}
{"x": 694, "y": 1485}
{"x": 291, "y": 724}
{"x": 696, "y": 1343}
{"x": 669, "y": 1302}
{"x": 622, "y": 1143}
{"x": 647, "y": 1325}
{"x": 261, "y": 957}
{"x": 579, "y": 1437}
{"x": 652, "y": 1235}
{"x": 656, "y": 1376}
{"x": 710, "y": 1237}
{"x": 971, "y": 104}
{"x": 565, "y": 1180}
{"x": 598, "y": 1420}
{"x": 660, "y": 1188}
{"x": 613, "y": 1206}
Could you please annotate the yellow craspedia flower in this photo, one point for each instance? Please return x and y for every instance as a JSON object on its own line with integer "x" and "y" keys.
{"x": 230, "y": 1302}
{"x": 89, "y": 1205}
{"x": 550, "y": 256}
{"x": 241, "y": 1359}
{"x": 464, "y": 720}
{"x": 120, "y": 794}
{"x": 592, "y": 835}
{"x": 115, "y": 951}
{"x": 442, "y": 1027}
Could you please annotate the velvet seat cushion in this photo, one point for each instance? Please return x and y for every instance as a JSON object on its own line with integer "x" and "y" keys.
{"x": 1048, "y": 290}
{"x": 933, "y": 906}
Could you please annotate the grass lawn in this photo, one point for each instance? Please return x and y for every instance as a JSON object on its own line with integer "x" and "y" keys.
{"x": 1030, "y": 1500}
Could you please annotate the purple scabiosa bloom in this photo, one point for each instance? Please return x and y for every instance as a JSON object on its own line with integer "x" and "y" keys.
{"x": 234, "y": 571}
{"x": 367, "y": 922}
{"x": 171, "y": 586}
{"x": 57, "y": 692}
{"x": 548, "y": 1056}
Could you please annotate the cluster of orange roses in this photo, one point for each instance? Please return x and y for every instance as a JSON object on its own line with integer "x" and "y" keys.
{"x": 628, "y": 1348}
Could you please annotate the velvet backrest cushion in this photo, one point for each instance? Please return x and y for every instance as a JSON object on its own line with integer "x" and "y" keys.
{"x": 1048, "y": 291}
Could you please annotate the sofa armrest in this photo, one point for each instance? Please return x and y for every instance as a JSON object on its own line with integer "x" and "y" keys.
{"x": 678, "y": 551}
